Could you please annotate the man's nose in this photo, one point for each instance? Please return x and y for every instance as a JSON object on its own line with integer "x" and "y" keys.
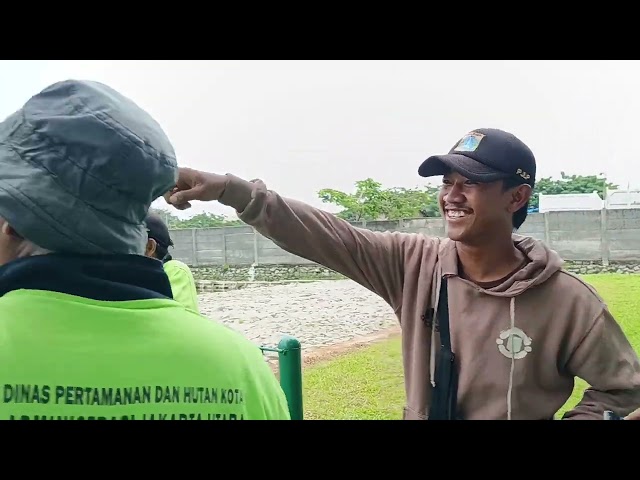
{"x": 454, "y": 194}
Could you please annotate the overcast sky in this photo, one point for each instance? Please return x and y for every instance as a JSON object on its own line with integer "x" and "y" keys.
{"x": 306, "y": 125}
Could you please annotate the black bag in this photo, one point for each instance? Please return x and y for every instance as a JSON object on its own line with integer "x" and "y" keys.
{"x": 445, "y": 394}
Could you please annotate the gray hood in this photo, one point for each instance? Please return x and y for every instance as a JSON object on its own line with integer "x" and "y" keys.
{"x": 80, "y": 165}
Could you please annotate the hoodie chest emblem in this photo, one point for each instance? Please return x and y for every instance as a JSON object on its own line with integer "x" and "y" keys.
{"x": 514, "y": 343}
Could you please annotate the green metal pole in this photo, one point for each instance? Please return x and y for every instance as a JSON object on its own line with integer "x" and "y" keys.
{"x": 290, "y": 360}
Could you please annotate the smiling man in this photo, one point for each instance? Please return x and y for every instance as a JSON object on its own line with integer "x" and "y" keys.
{"x": 492, "y": 327}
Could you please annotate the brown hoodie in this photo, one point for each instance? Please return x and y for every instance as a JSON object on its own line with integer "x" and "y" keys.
{"x": 519, "y": 345}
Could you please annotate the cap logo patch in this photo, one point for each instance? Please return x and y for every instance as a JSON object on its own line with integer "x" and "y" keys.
{"x": 469, "y": 143}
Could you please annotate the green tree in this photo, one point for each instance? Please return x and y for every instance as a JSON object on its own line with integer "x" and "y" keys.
{"x": 201, "y": 220}
{"x": 570, "y": 184}
{"x": 372, "y": 202}
{"x": 207, "y": 220}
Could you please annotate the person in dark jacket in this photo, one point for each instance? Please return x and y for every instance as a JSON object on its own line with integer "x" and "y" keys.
{"x": 183, "y": 284}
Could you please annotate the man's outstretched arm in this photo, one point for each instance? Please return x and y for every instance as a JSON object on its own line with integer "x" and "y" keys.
{"x": 373, "y": 259}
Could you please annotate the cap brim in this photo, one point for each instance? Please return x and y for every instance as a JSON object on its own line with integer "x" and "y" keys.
{"x": 468, "y": 167}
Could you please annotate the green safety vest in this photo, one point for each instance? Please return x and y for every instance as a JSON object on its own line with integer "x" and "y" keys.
{"x": 67, "y": 357}
{"x": 183, "y": 285}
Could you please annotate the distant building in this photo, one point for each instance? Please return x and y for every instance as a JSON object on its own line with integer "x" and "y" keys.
{"x": 617, "y": 199}
{"x": 570, "y": 202}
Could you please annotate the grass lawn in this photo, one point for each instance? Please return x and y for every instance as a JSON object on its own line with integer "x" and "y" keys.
{"x": 368, "y": 384}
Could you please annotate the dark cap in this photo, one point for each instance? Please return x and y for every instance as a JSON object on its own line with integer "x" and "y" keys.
{"x": 485, "y": 155}
{"x": 158, "y": 230}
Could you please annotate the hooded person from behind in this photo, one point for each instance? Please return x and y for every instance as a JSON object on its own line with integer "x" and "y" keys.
{"x": 181, "y": 279}
{"x": 89, "y": 326}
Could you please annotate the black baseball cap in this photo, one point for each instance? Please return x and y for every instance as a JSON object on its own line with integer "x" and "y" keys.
{"x": 158, "y": 230}
{"x": 485, "y": 155}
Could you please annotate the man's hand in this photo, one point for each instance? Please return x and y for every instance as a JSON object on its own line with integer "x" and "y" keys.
{"x": 635, "y": 415}
{"x": 195, "y": 185}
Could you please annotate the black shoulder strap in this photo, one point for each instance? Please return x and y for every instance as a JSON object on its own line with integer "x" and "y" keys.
{"x": 443, "y": 315}
{"x": 444, "y": 397}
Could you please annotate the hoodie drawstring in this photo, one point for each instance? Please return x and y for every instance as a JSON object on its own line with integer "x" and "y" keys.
{"x": 512, "y": 315}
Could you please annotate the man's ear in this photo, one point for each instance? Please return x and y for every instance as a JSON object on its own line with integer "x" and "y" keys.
{"x": 520, "y": 195}
{"x": 9, "y": 230}
{"x": 151, "y": 248}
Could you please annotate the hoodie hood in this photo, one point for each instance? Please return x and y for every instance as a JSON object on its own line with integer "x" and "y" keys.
{"x": 80, "y": 166}
{"x": 543, "y": 263}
